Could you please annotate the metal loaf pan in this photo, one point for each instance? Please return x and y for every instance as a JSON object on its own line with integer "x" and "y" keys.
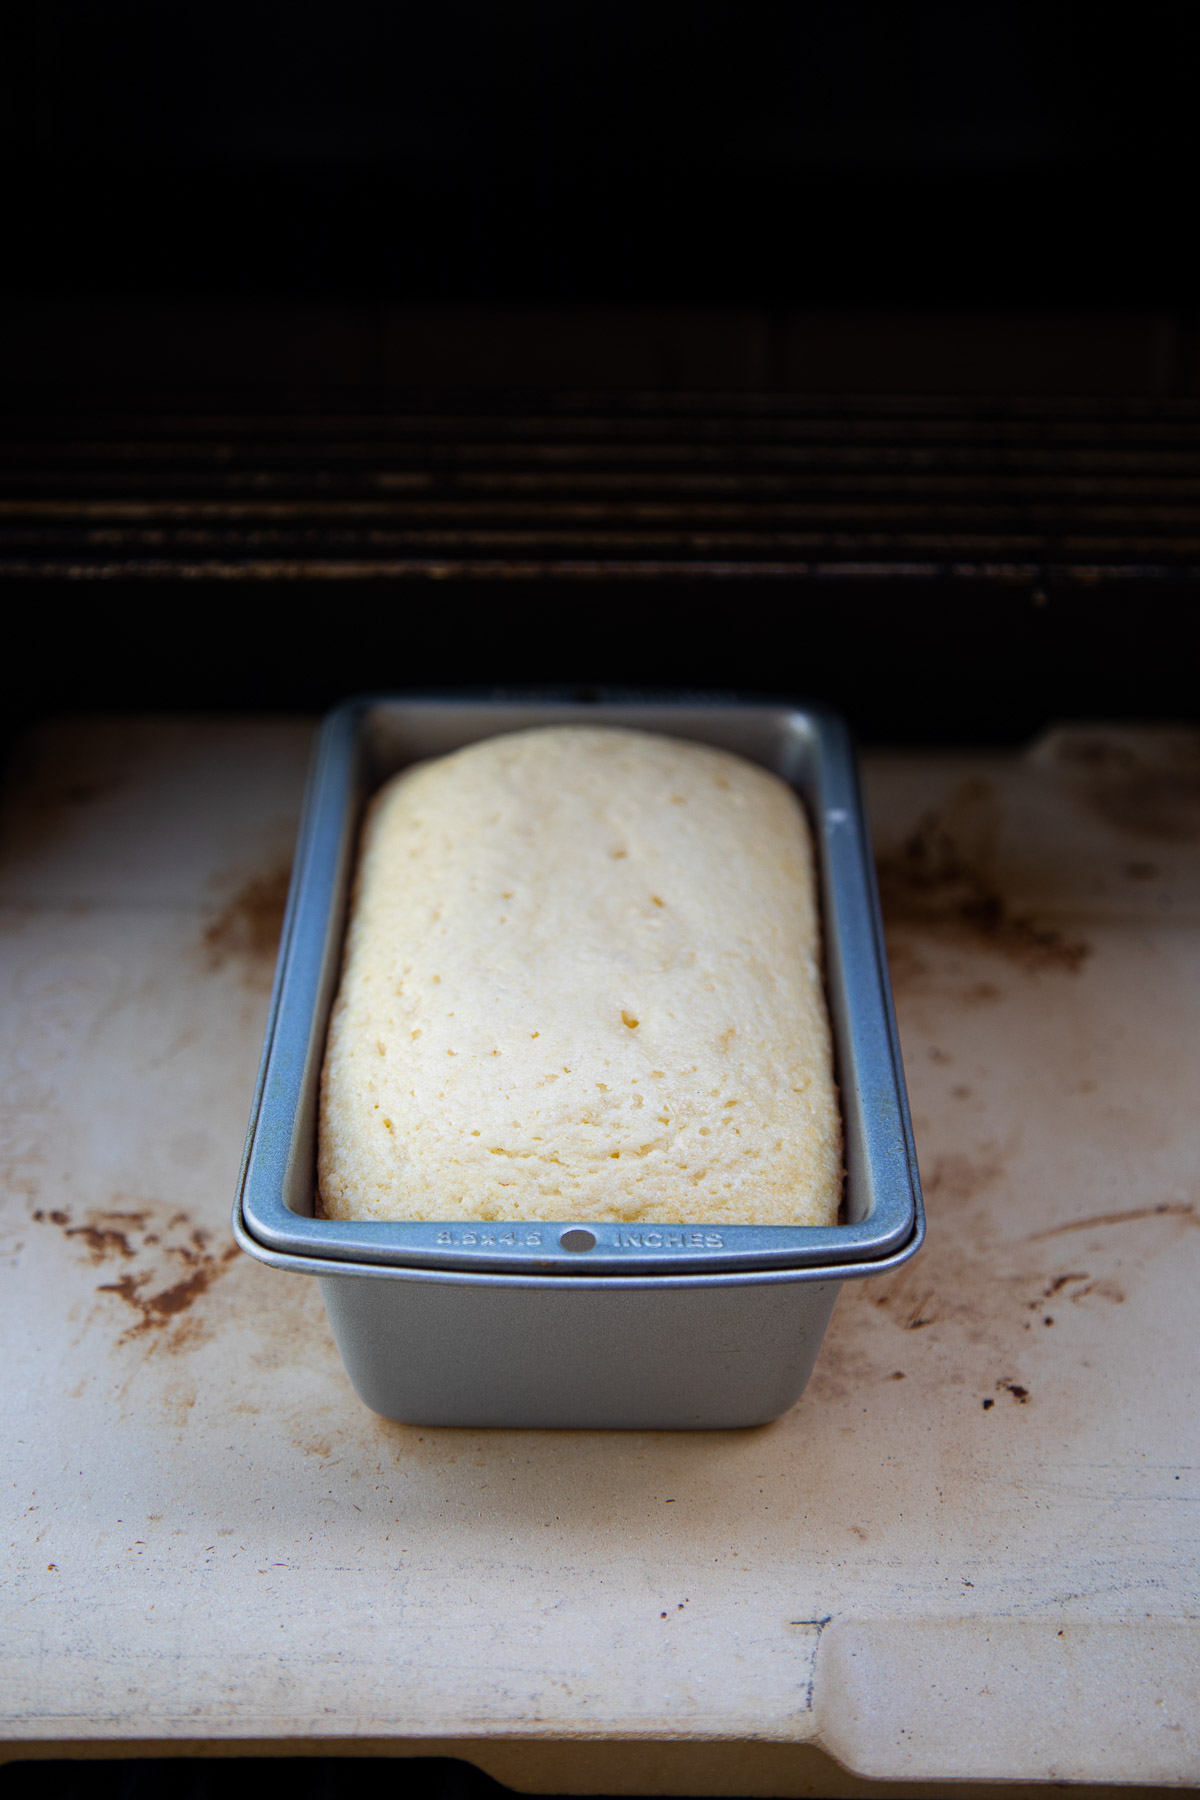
{"x": 570, "y": 1323}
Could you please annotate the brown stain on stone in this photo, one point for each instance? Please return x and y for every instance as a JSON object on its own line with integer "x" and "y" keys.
{"x": 957, "y": 1177}
{"x": 102, "y": 1241}
{"x": 996, "y": 1301}
{"x": 122, "y": 1234}
{"x": 105, "y": 1233}
{"x": 935, "y": 884}
{"x": 1101, "y": 1290}
{"x": 247, "y": 928}
{"x": 1019, "y": 1393}
{"x": 923, "y": 1313}
{"x": 981, "y": 1302}
{"x": 159, "y": 1307}
{"x": 1060, "y": 1281}
{"x": 1146, "y": 783}
{"x": 1166, "y": 1209}
{"x": 1077, "y": 1286}
{"x": 906, "y": 968}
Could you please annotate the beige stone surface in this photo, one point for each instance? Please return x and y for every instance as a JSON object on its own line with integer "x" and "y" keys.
{"x": 968, "y": 1554}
